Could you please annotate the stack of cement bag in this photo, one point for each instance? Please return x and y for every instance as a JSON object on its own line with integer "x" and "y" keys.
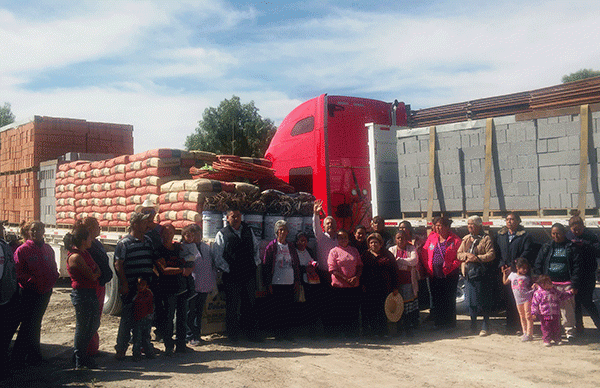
{"x": 110, "y": 190}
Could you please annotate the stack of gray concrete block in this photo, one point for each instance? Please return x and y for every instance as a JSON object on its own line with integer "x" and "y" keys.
{"x": 535, "y": 165}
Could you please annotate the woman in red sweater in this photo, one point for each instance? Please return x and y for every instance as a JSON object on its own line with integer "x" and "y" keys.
{"x": 438, "y": 255}
{"x": 84, "y": 274}
{"x": 36, "y": 272}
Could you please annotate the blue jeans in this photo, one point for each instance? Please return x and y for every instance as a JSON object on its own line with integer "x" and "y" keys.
{"x": 194, "y": 321}
{"x": 170, "y": 305}
{"x": 125, "y": 327}
{"x": 141, "y": 335}
{"x": 27, "y": 345}
{"x": 87, "y": 321}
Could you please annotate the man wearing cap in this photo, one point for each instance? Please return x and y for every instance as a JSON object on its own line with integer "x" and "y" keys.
{"x": 134, "y": 258}
{"x": 236, "y": 254}
{"x": 154, "y": 230}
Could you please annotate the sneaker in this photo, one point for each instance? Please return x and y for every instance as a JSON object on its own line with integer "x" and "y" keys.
{"x": 195, "y": 342}
{"x": 137, "y": 357}
{"x": 483, "y": 333}
{"x": 547, "y": 344}
{"x": 525, "y": 338}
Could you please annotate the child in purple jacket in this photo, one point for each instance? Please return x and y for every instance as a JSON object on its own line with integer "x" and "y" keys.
{"x": 545, "y": 304}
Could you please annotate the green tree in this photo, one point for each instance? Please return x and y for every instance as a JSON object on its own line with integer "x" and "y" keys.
{"x": 579, "y": 75}
{"x": 232, "y": 128}
{"x": 6, "y": 116}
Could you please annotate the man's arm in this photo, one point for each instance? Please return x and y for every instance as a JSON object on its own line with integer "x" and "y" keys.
{"x": 217, "y": 250}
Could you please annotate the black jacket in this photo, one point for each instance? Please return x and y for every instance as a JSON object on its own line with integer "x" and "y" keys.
{"x": 521, "y": 246}
{"x": 8, "y": 282}
{"x": 238, "y": 252}
{"x": 541, "y": 263}
{"x": 589, "y": 250}
{"x": 99, "y": 255}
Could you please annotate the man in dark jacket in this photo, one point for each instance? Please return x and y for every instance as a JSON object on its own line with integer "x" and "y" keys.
{"x": 512, "y": 242}
{"x": 236, "y": 254}
{"x": 589, "y": 247}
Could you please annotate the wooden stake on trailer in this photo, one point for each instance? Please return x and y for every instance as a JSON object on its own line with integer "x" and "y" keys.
{"x": 431, "y": 173}
{"x": 489, "y": 128}
{"x": 586, "y": 123}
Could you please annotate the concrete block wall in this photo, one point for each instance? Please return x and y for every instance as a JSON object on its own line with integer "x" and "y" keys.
{"x": 535, "y": 165}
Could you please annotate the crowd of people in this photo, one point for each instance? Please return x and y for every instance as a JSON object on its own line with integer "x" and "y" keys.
{"x": 339, "y": 289}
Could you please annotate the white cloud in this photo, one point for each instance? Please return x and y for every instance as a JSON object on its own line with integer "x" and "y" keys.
{"x": 195, "y": 62}
{"x": 33, "y": 45}
{"x": 159, "y": 120}
{"x": 424, "y": 59}
{"x": 498, "y": 49}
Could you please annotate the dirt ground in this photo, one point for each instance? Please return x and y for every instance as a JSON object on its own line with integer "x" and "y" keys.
{"x": 430, "y": 359}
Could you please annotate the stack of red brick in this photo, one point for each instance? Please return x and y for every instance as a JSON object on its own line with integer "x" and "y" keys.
{"x": 24, "y": 146}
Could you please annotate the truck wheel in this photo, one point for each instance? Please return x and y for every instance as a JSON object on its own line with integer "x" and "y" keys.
{"x": 112, "y": 299}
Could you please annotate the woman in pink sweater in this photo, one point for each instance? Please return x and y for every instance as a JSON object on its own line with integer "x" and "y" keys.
{"x": 345, "y": 267}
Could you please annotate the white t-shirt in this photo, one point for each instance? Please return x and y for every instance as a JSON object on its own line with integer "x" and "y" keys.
{"x": 521, "y": 287}
{"x": 283, "y": 272}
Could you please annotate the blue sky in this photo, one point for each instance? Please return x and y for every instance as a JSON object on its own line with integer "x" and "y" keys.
{"x": 159, "y": 64}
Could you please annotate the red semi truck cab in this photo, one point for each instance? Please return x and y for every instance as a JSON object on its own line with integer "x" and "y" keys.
{"x": 321, "y": 148}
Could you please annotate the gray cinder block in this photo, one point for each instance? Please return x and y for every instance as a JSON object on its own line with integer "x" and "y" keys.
{"x": 501, "y": 135}
{"x": 523, "y": 148}
{"x": 410, "y": 206}
{"x": 474, "y": 152}
{"x": 552, "y": 145}
{"x": 527, "y": 161}
{"x": 534, "y": 187}
{"x": 477, "y": 165}
{"x": 522, "y": 189}
{"x": 550, "y": 173}
{"x": 542, "y": 146}
{"x": 557, "y": 186}
{"x": 522, "y": 202}
{"x": 563, "y": 143}
{"x": 525, "y": 175}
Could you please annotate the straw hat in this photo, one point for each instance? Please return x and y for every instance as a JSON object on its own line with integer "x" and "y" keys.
{"x": 394, "y": 307}
{"x": 147, "y": 207}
